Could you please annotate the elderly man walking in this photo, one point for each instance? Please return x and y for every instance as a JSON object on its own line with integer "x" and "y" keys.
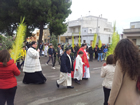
{"x": 65, "y": 70}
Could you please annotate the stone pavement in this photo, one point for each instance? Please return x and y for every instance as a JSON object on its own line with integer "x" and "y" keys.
{"x": 88, "y": 93}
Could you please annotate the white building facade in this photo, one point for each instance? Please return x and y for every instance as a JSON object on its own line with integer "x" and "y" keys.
{"x": 87, "y": 26}
{"x": 133, "y": 32}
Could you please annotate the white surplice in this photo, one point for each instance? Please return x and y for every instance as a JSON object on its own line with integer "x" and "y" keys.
{"x": 79, "y": 66}
{"x": 46, "y": 50}
{"x": 87, "y": 73}
{"x": 65, "y": 79}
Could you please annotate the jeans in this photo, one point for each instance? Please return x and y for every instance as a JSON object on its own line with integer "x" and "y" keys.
{"x": 100, "y": 55}
{"x": 18, "y": 64}
{"x": 106, "y": 95}
{"x": 22, "y": 63}
{"x": 104, "y": 56}
{"x": 7, "y": 95}
{"x": 50, "y": 58}
{"x": 91, "y": 57}
{"x": 59, "y": 61}
{"x": 54, "y": 61}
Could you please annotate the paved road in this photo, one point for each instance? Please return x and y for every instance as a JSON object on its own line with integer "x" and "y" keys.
{"x": 88, "y": 93}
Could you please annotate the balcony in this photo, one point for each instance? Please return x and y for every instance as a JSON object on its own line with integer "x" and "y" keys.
{"x": 132, "y": 31}
{"x": 74, "y": 23}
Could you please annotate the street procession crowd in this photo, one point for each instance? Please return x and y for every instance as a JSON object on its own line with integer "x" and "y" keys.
{"x": 121, "y": 72}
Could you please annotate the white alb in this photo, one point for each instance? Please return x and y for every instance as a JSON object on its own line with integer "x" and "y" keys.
{"x": 78, "y": 72}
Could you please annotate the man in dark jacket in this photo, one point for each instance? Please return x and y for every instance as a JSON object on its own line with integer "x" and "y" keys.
{"x": 100, "y": 54}
{"x": 96, "y": 52}
{"x": 65, "y": 70}
{"x": 91, "y": 51}
{"x": 51, "y": 54}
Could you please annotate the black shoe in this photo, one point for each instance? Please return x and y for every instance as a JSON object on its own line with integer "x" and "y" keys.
{"x": 85, "y": 78}
{"x": 57, "y": 84}
{"x": 70, "y": 87}
{"x": 78, "y": 82}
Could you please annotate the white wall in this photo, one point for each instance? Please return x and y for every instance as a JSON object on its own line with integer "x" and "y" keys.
{"x": 138, "y": 41}
{"x": 104, "y": 39}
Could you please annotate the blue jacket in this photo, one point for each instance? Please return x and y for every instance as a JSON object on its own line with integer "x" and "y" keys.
{"x": 105, "y": 50}
{"x": 65, "y": 64}
{"x": 51, "y": 51}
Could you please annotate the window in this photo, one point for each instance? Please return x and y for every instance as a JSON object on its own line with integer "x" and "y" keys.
{"x": 84, "y": 30}
{"x": 132, "y": 26}
{"x": 90, "y": 30}
{"x": 107, "y": 29}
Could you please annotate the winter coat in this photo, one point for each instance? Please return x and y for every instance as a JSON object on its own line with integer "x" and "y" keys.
{"x": 123, "y": 90}
{"x": 7, "y": 75}
{"x": 107, "y": 72}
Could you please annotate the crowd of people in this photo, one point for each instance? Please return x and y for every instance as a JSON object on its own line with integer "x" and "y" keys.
{"x": 120, "y": 72}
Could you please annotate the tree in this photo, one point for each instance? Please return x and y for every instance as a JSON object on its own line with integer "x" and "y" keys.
{"x": 37, "y": 13}
{"x": 40, "y": 13}
{"x": 9, "y": 15}
{"x": 6, "y": 42}
{"x": 60, "y": 10}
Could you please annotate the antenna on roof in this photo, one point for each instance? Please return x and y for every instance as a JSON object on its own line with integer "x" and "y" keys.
{"x": 101, "y": 15}
{"x": 89, "y": 13}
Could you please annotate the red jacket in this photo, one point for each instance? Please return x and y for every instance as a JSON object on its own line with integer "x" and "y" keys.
{"x": 7, "y": 75}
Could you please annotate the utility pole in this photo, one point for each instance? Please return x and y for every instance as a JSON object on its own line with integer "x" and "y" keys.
{"x": 97, "y": 30}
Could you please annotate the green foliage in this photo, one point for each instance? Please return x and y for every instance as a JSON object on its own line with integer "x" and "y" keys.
{"x": 6, "y": 42}
{"x": 100, "y": 44}
{"x": 72, "y": 41}
{"x": 65, "y": 46}
{"x": 54, "y": 41}
{"x": 59, "y": 11}
{"x": 115, "y": 40}
{"x": 94, "y": 41}
{"x": 38, "y": 14}
{"x": 9, "y": 16}
{"x": 79, "y": 42}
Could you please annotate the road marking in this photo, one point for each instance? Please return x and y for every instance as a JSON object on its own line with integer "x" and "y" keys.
{"x": 81, "y": 103}
{"x": 53, "y": 99}
{"x": 97, "y": 68}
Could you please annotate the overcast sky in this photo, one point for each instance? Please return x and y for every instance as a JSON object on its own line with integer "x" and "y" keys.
{"x": 121, "y": 11}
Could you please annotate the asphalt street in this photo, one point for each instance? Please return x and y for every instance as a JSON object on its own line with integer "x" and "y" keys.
{"x": 89, "y": 92}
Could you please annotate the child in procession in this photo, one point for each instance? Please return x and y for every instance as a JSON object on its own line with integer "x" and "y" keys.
{"x": 78, "y": 72}
{"x": 107, "y": 72}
